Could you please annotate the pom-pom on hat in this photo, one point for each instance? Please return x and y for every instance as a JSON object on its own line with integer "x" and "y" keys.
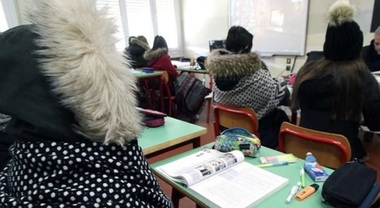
{"x": 344, "y": 39}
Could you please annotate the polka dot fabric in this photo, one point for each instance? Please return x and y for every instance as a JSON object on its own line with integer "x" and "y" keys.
{"x": 58, "y": 174}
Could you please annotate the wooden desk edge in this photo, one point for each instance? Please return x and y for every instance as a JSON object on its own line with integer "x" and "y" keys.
{"x": 190, "y": 138}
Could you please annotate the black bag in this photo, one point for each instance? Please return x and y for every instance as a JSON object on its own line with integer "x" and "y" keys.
{"x": 201, "y": 62}
{"x": 348, "y": 185}
{"x": 190, "y": 94}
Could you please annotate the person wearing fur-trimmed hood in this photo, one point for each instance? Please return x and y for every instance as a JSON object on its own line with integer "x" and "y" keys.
{"x": 73, "y": 113}
{"x": 159, "y": 59}
{"x": 135, "y": 51}
{"x": 242, "y": 79}
{"x": 336, "y": 93}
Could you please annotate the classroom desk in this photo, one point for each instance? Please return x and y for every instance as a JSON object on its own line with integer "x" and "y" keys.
{"x": 277, "y": 199}
{"x": 173, "y": 134}
{"x": 144, "y": 77}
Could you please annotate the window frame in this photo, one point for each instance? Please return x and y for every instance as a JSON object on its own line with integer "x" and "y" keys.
{"x": 10, "y": 11}
{"x": 174, "y": 52}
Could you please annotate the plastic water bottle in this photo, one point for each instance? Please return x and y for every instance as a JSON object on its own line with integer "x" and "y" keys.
{"x": 315, "y": 170}
{"x": 310, "y": 160}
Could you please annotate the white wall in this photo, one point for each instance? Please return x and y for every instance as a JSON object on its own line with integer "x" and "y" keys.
{"x": 204, "y": 20}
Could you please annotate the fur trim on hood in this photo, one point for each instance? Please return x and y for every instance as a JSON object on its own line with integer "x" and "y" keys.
{"x": 224, "y": 64}
{"x": 140, "y": 43}
{"x": 151, "y": 55}
{"x": 85, "y": 69}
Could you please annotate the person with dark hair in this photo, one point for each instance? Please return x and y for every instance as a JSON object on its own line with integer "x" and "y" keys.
{"x": 73, "y": 113}
{"x": 243, "y": 80}
{"x": 371, "y": 52}
{"x": 337, "y": 92}
{"x": 159, "y": 59}
{"x": 135, "y": 51}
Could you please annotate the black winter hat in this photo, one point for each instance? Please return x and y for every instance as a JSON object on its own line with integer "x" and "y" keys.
{"x": 344, "y": 39}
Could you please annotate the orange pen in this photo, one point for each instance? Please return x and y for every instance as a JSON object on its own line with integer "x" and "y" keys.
{"x": 307, "y": 192}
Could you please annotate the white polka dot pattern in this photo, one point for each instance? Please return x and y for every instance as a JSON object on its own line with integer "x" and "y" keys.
{"x": 59, "y": 174}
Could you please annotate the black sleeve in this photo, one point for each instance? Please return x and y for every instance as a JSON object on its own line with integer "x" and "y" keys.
{"x": 371, "y": 104}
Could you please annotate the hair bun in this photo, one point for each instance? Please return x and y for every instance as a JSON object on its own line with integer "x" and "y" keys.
{"x": 340, "y": 12}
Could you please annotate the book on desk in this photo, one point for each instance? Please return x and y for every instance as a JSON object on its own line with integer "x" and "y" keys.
{"x": 224, "y": 178}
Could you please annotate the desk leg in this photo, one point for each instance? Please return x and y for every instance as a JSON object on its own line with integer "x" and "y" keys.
{"x": 162, "y": 95}
{"x": 176, "y": 196}
{"x": 196, "y": 142}
{"x": 211, "y": 83}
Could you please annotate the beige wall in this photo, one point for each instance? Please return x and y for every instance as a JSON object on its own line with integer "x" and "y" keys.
{"x": 204, "y": 20}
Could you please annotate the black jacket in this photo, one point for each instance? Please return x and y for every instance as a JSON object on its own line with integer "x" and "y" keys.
{"x": 135, "y": 51}
{"x": 370, "y": 57}
{"x": 316, "y": 100}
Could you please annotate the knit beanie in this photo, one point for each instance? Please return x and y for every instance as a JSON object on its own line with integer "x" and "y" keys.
{"x": 344, "y": 39}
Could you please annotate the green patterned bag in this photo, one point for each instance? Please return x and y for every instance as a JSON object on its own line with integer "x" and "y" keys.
{"x": 238, "y": 139}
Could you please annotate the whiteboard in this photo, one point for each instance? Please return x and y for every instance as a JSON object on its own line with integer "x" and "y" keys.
{"x": 279, "y": 26}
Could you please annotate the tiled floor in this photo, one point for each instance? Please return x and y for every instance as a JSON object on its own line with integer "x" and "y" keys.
{"x": 372, "y": 146}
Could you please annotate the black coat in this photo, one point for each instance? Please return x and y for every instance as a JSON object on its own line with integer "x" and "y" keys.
{"x": 135, "y": 51}
{"x": 370, "y": 57}
{"x": 316, "y": 99}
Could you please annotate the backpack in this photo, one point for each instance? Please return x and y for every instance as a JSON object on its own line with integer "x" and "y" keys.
{"x": 190, "y": 94}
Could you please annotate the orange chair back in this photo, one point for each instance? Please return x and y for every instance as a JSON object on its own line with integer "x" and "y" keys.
{"x": 331, "y": 150}
{"x": 229, "y": 117}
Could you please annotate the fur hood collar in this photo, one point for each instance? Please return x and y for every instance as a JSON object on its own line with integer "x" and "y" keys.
{"x": 135, "y": 41}
{"x": 151, "y": 55}
{"x": 224, "y": 64}
{"x": 84, "y": 68}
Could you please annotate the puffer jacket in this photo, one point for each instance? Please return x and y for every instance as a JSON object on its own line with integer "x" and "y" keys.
{"x": 244, "y": 80}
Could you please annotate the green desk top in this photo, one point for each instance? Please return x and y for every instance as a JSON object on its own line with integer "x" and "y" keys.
{"x": 275, "y": 200}
{"x": 140, "y": 74}
{"x": 172, "y": 133}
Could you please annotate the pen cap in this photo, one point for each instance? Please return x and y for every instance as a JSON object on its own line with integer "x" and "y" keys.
{"x": 315, "y": 186}
{"x": 307, "y": 191}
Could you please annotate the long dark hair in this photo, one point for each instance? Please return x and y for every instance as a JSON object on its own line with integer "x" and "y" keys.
{"x": 239, "y": 40}
{"x": 159, "y": 42}
{"x": 349, "y": 83}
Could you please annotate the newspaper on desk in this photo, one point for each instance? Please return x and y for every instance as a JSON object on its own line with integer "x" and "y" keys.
{"x": 225, "y": 179}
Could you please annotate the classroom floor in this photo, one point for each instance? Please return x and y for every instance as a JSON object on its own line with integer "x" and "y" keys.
{"x": 372, "y": 146}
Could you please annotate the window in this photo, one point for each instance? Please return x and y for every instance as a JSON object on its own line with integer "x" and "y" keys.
{"x": 3, "y": 21}
{"x": 148, "y": 18}
{"x": 8, "y": 15}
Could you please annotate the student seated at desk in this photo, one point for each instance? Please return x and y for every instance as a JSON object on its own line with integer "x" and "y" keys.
{"x": 242, "y": 79}
{"x": 159, "y": 59}
{"x": 371, "y": 52}
{"x": 135, "y": 51}
{"x": 336, "y": 92}
{"x": 73, "y": 113}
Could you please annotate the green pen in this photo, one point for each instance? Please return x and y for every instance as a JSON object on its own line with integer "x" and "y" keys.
{"x": 302, "y": 174}
{"x": 272, "y": 164}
